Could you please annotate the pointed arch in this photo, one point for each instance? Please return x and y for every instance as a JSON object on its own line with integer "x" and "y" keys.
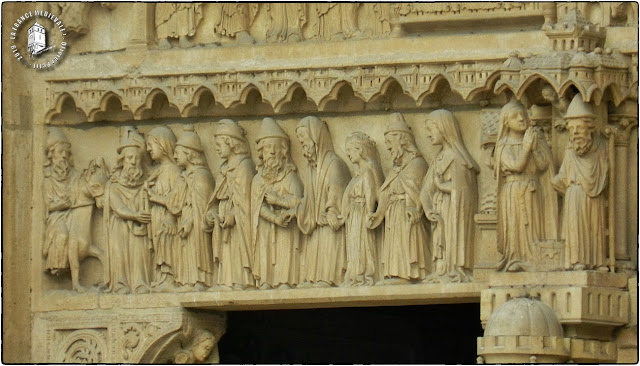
{"x": 531, "y": 80}
{"x": 486, "y": 88}
{"x": 251, "y": 102}
{"x": 343, "y": 98}
{"x": 576, "y": 84}
{"x": 202, "y": 104}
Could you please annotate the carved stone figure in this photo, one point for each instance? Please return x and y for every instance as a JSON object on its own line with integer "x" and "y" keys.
{"x": 559, "y": 106}
{"x": 161, "y": 185}
{"x": 229, "y": 209}
{"x": 199, "y": 351}
{"x": 234, "y": 21}
{"x": 404, "y": 246}
{"x": 69, "y": 206}
{"x": 582, "y": 179}
{"x": 360, "y": 199}
{"x": 127, "y": 215}
{"x": 177, "y": 20}
{"x": 449, "y": 198}
{"x": 336, "y": 21}
{"x": 196, "y": 270}
{"x": 527, "y": 205}
{"x": 287, "y": 20}
{"x": 323, "y": 251}
{"x": 275, "y": 193}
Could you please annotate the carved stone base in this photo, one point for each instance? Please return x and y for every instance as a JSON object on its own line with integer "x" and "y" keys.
{"x": 122, "y": 336}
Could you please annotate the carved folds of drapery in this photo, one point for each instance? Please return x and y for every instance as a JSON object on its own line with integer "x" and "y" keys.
{"x": 134, "y": 336}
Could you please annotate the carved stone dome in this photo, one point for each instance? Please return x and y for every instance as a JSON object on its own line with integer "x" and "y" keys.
{"x": 524, "y": 317}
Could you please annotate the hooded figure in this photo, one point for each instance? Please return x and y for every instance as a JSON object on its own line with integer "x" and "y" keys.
{"x": 449, "y": 199}
{"x": 161, "y": 185}
{"x": 229, "y": 208}
{"x": 275, "y": 193}
{"x": 323, "y": 251}
{"x": 527, "y": 205}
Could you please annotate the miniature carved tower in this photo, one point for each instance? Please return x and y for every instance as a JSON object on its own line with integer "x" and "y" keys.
{"x": 37, "y": 39}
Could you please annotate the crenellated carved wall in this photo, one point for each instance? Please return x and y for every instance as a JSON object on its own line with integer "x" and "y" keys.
{"x": 268, "y": 156}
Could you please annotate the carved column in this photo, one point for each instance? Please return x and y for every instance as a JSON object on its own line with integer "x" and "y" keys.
{"x": 625, "y": 119}
{"x": 159, "y": 335}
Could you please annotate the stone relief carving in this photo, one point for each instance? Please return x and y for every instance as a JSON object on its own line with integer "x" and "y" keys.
{"x": 69, "y": 201}
{"x": 449, "y": 199}
{"x": 177, "y": 20}
{"x": 360, "y": 200}
{"x": 404, "y": 250}
{"x": 196, "y": 269}
{"x": 275, "y": 194}
{"x": 160, "y": 186}
{"x": 527, "y": 205}
{"x": 322, "y": 249}
{"x": 127, "y": 217}
{"x": 229, "y": 209}
{"x": 199, "y": 351}
{"x": 84, "y": 346}
{"x": 582, "y": 179}
{"x": 287, "y": 21}
{"x": 335, "y": 21}
{"x": 234, "y": 21}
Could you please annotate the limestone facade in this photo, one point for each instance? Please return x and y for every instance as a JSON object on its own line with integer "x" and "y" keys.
{"x": 180, "y": 160}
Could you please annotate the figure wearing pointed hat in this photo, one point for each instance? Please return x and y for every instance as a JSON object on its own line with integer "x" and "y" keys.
{"x": 195, "y": 268}
{"x": 275, "y": 237}
{"x": 323, "y": 252}
{"x": 126, "y": 215}
{"x": 404, "y": 249}
{"x": 582, "y": 179}
{"x": 161, "y": 185}
{"x": 229, "y": 209}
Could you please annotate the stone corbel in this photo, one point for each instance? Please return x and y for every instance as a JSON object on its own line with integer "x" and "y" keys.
{"x": 127, "y": 336}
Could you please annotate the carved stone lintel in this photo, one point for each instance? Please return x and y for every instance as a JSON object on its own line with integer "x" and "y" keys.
{"x": 122, "y": 336}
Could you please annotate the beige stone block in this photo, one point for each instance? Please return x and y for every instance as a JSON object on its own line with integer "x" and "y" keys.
{"x": 593, "y": 351}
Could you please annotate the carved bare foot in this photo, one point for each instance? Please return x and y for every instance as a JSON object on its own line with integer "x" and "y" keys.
{"x": 79, "y": 288}
{"x": 184, "y": 42}
{"x": 164, "y": 44}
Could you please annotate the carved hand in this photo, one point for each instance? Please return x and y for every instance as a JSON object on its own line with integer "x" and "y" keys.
{"x": 432, "y": 216}
{"x": 374, "y": 220}
{"x": 228, "y": 221}
{"x": 528, "y": 139}
{"x": 143, "y": 217}
{"x": 212, "y": 218}
{"x": 271, "y": 197}
{"x": 334, "y": 222}
{"x": 413, "y": 216}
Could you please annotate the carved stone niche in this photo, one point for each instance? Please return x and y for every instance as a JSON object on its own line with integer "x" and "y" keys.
{"x": 168, "y": 335}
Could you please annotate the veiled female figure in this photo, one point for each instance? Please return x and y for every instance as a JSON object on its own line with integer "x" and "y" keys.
{"x": 360, "y": 199}
{"x": 449, "y": 199}
{"x": 527, "y": 204}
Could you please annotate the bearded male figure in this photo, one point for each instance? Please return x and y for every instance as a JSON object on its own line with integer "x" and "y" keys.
{"x": 582, "y": 179}
{"x": 323, "y": 250}
{"x": 404, "y": 246}
{"x": 275, "y": 193}
{"x": 127, "y": 216}
{"x": 69, "y": 207}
